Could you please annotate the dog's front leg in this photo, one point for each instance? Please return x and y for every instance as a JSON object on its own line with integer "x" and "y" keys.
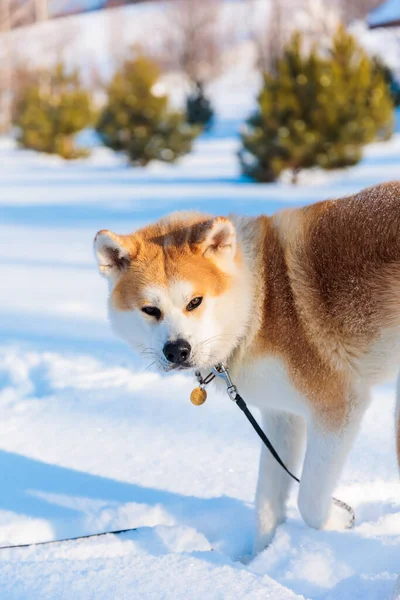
{"x": 326, "y": 453}
{"x": 287, "y": 434}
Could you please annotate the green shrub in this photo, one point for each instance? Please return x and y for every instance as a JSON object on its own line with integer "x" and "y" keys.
{"x": 51, "y": 112}
{"x": 138, "y": 121}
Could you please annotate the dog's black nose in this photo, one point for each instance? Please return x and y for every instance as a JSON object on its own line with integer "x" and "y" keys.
{"x": 177, "y": 352}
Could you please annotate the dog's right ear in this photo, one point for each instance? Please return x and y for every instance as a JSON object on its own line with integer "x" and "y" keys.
{"x": 113, "y": 253}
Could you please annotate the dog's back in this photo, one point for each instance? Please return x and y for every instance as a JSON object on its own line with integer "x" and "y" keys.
{"x": 336, "y": 267}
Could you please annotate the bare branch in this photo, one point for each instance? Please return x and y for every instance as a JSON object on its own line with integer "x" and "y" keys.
{"x": 273, "y": 23}
{"x": 352, "y": 10}
{"x": 191, "y": 38}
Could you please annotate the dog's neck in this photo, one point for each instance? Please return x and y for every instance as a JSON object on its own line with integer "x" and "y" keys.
{"x": 251, "y": 242}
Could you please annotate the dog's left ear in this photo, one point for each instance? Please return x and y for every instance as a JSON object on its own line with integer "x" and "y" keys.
{"x": 220, "y": 239}
{"x": 113, "y": 253}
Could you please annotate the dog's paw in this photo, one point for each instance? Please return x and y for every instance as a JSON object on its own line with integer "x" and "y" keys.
{"x": 340, "y": 517}
{"x": 262, "y": 542}
{"x": 245, "y": 559}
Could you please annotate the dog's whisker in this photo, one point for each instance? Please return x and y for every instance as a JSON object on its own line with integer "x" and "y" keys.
{"x": 219, "y": 341}
{"x": 220, "y": 336}
{"x": 149, "y": 366}
{"x": 216, "y": 340}
{"x": 149, "y": 352}
{"x": 228, "y": 344}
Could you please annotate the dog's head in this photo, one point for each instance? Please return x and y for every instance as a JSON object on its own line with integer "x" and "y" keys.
{"x": 175, "y": 292}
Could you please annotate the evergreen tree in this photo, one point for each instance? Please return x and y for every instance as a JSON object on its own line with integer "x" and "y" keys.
{"x": 137, "y": 120}
{"x": 363, "y": 107}
{"x": 316, "y": 109}
{"x": 198, "y": 108}
{"x": 50, "y": 112}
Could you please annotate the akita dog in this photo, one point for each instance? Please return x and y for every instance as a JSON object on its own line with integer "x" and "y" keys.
{"x": 303, "y": 307}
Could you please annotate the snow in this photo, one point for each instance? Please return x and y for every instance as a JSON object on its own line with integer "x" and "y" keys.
{"x": 91, "y": 440}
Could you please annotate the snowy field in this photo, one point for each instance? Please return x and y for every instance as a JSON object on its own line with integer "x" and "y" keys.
{"x": 92, "y": 441}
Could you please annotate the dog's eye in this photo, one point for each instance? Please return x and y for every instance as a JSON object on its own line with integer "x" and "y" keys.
{"x": 194, "y": 303}
{"x": 152, "y": 311}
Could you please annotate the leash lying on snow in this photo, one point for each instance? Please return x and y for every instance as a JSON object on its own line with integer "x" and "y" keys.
{"x": 199, "y": 396}
{"x": 71, "y": 539}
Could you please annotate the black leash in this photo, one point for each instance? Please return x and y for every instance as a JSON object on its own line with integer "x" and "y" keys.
{"x": 71, "y": 539}
{"x": 243, "y": 406}
{"x": 221, "y": 371}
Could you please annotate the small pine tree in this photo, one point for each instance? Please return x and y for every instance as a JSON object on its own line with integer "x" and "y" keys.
{"x": 198, "y": 108}
{"x": 316, "y": 110}
{"x": 138, "y": 121}
{"x": 51, "y": 112}
{"x": 284, "y": 132}
{"x": 364, "y": 108}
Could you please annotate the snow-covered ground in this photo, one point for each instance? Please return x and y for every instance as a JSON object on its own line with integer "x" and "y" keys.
{"x": 92, "y": 441}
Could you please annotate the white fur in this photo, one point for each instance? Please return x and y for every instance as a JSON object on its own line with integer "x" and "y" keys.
{"x": 381, "y": 362}
{"x": 287, "y": 433}
{"x": 267, "y": 385}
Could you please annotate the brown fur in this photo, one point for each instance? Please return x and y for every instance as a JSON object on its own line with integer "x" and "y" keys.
{"x": 283, "y": 334}
{"x": 330, "y": 276}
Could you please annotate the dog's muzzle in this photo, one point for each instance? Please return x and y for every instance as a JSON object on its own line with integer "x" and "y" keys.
{"x": 178, "y": 352}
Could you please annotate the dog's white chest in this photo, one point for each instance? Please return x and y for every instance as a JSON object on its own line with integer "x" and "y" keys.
{"x": 266, "y": 384}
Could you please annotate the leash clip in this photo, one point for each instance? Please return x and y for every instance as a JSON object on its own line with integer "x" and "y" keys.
{"x": 203, "y": 382}
{"x": 220, "y": 370}
{"x": 199, "y": 378}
